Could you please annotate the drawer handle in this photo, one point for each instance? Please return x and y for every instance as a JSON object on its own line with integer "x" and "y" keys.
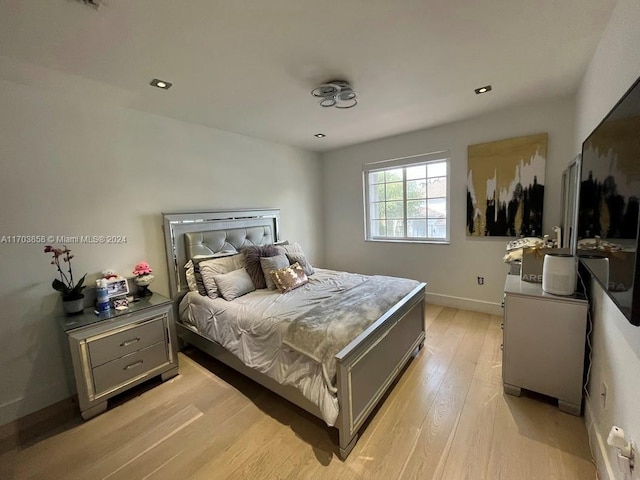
{"x": 133, "y": 365}
{"x": 130, "y": 342}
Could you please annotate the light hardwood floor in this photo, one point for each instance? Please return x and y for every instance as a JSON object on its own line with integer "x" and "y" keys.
{"x": 446, "y": 418}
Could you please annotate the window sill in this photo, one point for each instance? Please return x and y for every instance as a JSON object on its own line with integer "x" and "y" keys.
{"x": 388, "y": 240}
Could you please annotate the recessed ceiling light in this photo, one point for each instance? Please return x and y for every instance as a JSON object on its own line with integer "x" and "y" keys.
{"x": 319, "y": 135}
{"x": 485, "y": 89}
{"x": 161, "y": 84}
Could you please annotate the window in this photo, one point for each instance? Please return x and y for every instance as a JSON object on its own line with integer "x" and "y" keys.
{"x": 407, "y": 199}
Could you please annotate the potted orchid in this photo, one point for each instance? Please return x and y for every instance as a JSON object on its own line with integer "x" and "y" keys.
{"x": 72, "y": 296}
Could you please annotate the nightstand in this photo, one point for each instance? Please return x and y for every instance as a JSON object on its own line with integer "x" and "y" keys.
{"x": 544, "y": 343}
{"x": 117, "y": 350}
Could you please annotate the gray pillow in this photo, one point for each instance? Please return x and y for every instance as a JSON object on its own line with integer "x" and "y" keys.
{"x": 269, "y": 264}
{"x": 253, "y": 254}
{"x": 195, "y": 263}
{"x": 302, "y": 260}
{"x": 215, "y": 266}
{"x": 234, "y": 284}
{"x": 290, "y": 248}
{"x": 295, "y": 254}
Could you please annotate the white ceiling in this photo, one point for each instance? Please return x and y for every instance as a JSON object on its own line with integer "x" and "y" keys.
{"x": 248, "y": 66}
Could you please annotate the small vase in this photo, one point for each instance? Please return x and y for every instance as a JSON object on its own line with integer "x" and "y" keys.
{"x": 73, "y": 307}
{"x": 143, "y": 281}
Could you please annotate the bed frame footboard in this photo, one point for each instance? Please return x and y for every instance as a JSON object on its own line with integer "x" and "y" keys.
{"x": 371, "y": 362}
{"x": 366, "y": 367}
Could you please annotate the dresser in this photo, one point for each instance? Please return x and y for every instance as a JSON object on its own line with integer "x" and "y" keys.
{"x": 117, "y": 350}
{"x": 544, "y": 340}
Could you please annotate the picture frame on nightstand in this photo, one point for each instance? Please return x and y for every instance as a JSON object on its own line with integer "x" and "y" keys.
{"x": 117, "y": 287}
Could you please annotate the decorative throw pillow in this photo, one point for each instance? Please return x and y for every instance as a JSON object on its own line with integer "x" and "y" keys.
{"x": 272, "y": 263}
{"x": 295, "y": 254}
{"x": 290, "y": 248}
{"x": 234, "y": 284}
{"x": 195, "y": 261}
{"x": 302, "y": 260}
{"x": 288, "y": 278}
{"x": 190, "y": 276}
{"x": 253, "y": 254}
{"x": 215, "y": 266}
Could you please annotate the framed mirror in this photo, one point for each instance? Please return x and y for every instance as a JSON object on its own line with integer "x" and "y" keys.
{"x": 570, "y": 190}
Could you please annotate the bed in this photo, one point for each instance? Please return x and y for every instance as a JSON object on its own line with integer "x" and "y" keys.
{"x": 344, "y": 386}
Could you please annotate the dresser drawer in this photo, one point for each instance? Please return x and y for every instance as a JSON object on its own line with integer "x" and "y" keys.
{"x": 127, "y": 341}
{"x": 121, "y": 370}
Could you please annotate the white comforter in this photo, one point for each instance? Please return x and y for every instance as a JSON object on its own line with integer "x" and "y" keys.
{"x": 253, "y": 327}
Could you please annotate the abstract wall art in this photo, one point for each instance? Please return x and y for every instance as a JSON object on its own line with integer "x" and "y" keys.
{"x": 505, "y": 187}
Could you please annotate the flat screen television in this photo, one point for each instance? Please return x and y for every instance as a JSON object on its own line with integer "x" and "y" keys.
{"x": 608, "y": 207}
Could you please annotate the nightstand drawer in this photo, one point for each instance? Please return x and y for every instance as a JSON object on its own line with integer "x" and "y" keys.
{"x": 121, "y": 370}
{"x": 127, "y": 341}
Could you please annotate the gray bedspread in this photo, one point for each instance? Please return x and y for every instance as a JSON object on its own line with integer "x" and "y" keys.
{"x": 327, "y": 328}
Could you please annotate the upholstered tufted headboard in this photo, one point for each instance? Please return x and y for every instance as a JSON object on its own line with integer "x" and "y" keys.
{"x": 214, "y": 241}
{"x": 202, "y": 233}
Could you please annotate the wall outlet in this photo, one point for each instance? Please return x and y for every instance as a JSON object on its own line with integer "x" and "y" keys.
{"x": 604, "y": 391}
{"x": 480, "y": 280}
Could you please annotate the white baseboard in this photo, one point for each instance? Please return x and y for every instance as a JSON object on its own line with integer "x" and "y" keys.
{"x": 599, "y": 447}
{"x": 465, "y": 303}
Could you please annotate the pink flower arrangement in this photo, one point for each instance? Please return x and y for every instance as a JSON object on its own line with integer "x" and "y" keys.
{"x": 66, "y": 286}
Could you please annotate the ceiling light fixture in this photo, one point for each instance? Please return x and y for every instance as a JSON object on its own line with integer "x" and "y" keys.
{"x": 319, "y": 135}
{"x": 485, "y": 89}
{"x": 92, "y": 3}
{"x": 161, "y": 84}
{"x": 336, "y": 93}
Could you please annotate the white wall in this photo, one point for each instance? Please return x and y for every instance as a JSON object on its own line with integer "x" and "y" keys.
{"x": 450, "y": 270}
{"x": 72, "y": 165}
{"x": 616, "y": 343}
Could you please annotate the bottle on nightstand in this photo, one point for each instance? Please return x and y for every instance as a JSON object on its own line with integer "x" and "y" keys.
{"x": 102, "y": 296}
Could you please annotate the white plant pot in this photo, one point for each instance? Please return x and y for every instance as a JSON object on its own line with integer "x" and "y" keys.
{"x": 71, "y": 307}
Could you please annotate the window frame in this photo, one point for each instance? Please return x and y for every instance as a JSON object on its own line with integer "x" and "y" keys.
{"x": 404, "y": 163}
